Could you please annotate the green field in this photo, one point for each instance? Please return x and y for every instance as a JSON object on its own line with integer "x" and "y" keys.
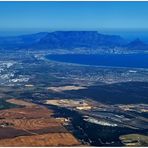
{"x": 134, "y": 140}
{"x": 6, "y": 105}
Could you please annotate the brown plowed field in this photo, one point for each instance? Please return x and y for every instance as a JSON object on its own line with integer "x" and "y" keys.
{"x": 26, "y": 112}
{"x": 32, "y": 125}
{"x": 11, "y": 133}
{"x": 54, "y": 139}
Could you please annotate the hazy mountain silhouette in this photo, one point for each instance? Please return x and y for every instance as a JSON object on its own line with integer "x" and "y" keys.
{"x": 69, "y": 40}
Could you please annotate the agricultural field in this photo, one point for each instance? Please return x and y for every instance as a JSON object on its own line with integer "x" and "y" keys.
{"x": 32, "y": 125}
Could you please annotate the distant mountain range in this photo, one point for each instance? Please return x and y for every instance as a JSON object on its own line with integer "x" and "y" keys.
{"x": 69, "y": 40}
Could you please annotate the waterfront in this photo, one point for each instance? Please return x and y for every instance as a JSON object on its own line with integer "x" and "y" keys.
{"x": 111, "y": 60}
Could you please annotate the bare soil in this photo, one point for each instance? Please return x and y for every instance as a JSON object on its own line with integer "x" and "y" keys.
{"x": 32, "y": 125}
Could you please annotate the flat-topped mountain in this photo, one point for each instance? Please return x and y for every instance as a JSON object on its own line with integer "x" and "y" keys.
{"x": 70, "y": 40}
{"x": 76, "y": 39}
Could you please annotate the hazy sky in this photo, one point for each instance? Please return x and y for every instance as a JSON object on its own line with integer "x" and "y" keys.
{"x": 73, "y": 15}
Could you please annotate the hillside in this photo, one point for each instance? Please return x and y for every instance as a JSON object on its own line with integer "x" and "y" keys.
{"x": 90, "y": 40}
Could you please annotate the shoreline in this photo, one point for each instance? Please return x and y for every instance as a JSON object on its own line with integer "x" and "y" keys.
{"x": 95, "y": 66}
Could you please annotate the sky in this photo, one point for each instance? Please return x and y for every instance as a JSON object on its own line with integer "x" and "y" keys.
{"x": 48, "y": 16}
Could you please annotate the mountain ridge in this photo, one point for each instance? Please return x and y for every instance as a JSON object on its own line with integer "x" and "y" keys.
{"x": 70, "y": 40}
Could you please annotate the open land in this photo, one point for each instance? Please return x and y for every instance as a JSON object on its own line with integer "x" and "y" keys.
{"x": 32, "y": 125}
{"x": 95, "y": 105}
{"x": 134, "y": 140}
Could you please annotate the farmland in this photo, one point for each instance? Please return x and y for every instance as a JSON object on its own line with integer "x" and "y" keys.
{"x": 32, "y": 125}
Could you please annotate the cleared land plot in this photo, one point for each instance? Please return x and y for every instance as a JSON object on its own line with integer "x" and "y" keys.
{"x": 20, "y": 102}
{"x": 52, "y": 139}
{"x": 65, "y": 88}
{"x": 67, "y": 103}
{"x": 26, "y": 112}
{"x": 10, "y": 132}
{"x": 32, "y": 125}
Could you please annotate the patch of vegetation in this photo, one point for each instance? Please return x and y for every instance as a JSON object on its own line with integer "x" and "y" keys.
{"x": 134, "y": 140}
{"x": 6, "y": 105}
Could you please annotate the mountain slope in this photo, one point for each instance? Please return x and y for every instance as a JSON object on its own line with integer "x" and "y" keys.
{"x": 90, "y": 40}
{"x": 22, "y": 40}
{"x": 137, "y": 44}
{"x": 76, "y": 39}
